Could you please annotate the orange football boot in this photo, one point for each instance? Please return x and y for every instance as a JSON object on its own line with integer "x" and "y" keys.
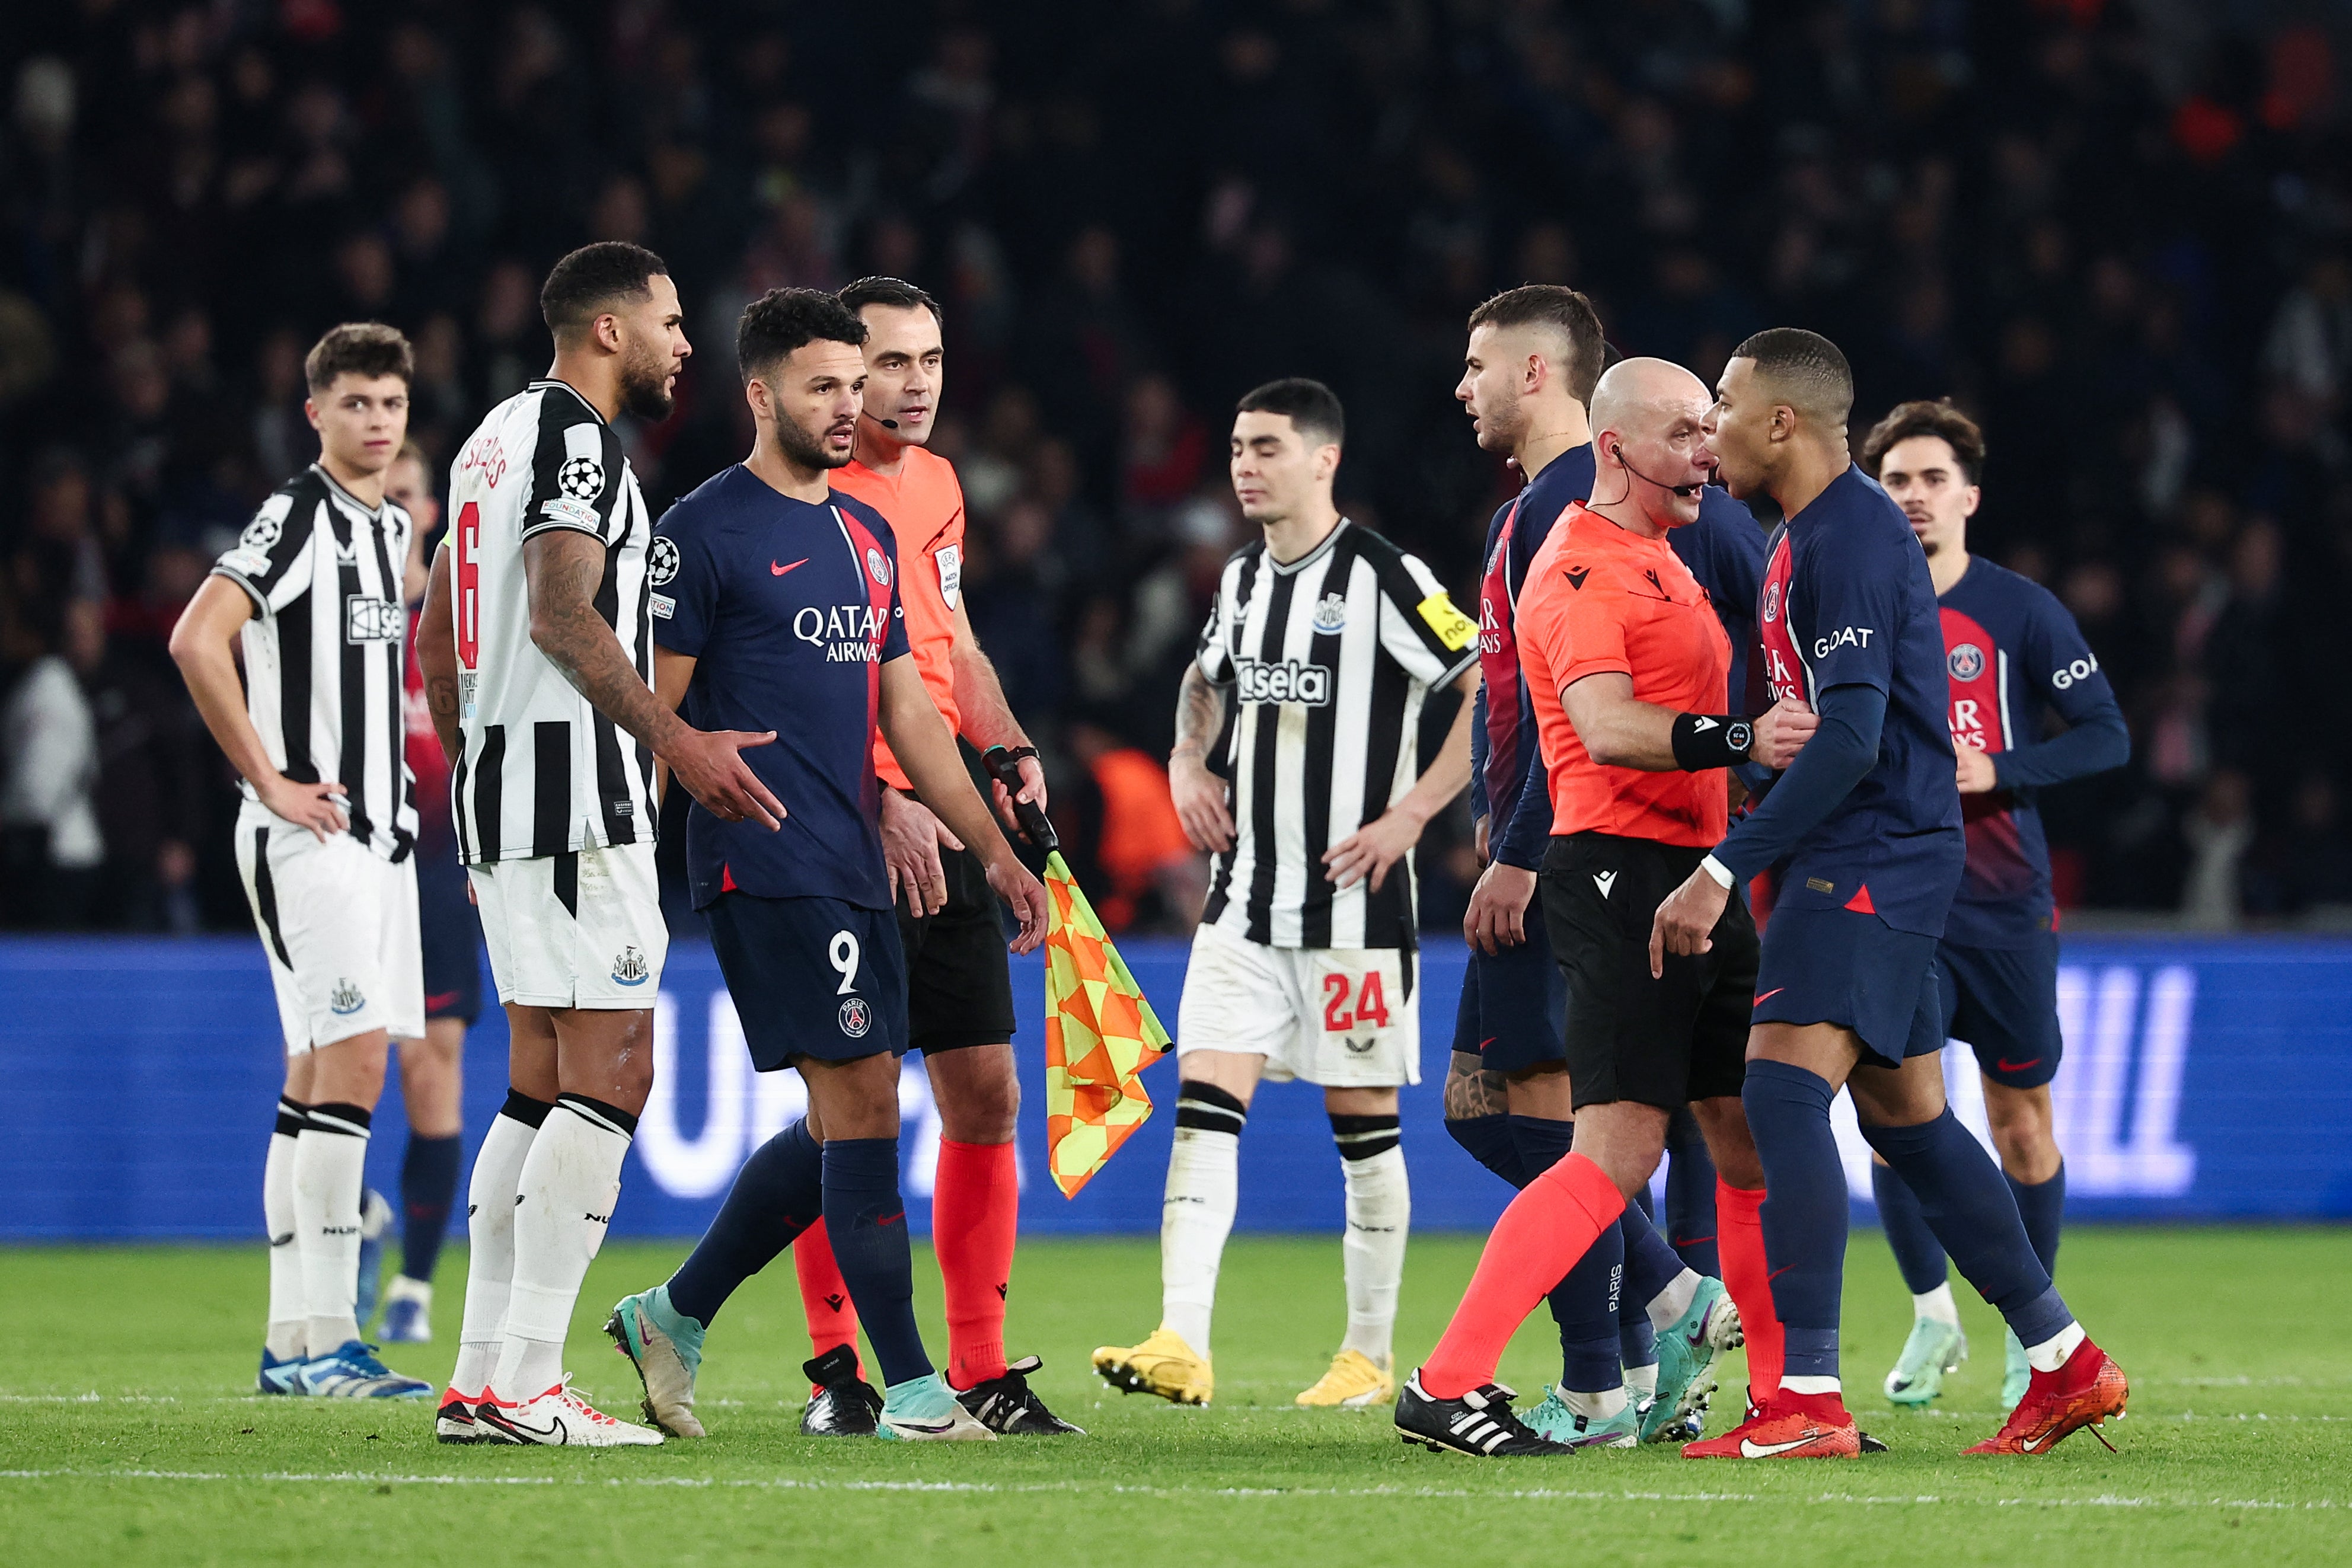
{"x": 2084, "y": 1392}
{"x": 1790, "y": 1427}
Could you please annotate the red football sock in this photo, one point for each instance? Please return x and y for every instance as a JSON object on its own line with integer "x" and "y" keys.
{"x": 1547, "y": 1228}
{"x": 1740, "y": 1241}
{"x": 975, "y": 1214}
{"x": 832, "y": 1316}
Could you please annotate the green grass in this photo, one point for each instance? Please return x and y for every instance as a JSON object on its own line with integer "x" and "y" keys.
{"x": 128, "y": 1436}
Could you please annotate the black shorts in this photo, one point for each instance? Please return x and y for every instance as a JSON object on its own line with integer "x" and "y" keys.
{"x": 1662, "y": 1042}
{"x": 450, "y": 934}
{"x": 959, "y": 970}
{"x": 2003, "y": 1001}
{"x": 811, "y": 976}
{"x": 1510, "y": 1011}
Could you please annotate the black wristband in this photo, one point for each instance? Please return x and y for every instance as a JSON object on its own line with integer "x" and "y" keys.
{"x": 1704, "y": 740}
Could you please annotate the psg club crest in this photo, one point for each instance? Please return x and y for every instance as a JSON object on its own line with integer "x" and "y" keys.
{"x": 879, "y": 568}
{"x": 1966, "y": 662}
{"x": 630, "y": 968}
{"x": 661, "y": 556}
{"x": 1771, "y": 601}
{"x": 1331, "y": 613}
{"x": 856, "y": 1018}
{"x": 345, "y": 998}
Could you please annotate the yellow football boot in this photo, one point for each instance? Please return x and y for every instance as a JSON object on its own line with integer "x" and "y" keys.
{"x": 1163, "y": 1364}
{"x": 1355, "y": 1382}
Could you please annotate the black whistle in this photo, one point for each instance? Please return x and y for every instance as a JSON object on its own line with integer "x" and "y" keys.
{"x": 1033, "y": 826}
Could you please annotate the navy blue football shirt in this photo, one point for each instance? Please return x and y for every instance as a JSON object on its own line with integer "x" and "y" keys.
{"x": 1847, "y": 601}
{"x": 789, "y": 609}
{"x": 2012, "y": 653}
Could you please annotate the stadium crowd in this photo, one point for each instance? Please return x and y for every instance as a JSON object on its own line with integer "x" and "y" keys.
{"x": 2123, "y": 240}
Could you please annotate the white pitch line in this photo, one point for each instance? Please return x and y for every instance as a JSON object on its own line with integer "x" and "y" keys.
{"x": 1531, "y": 1494}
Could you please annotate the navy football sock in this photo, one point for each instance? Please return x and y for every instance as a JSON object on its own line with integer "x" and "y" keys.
{"x": 428, "y": 1186}
{"x": 1542, "y": 1142}
{"x": 1917, "y": 1253}
{"x": 1646, "y": 1205}
{"x": 865, "y": 1219}
{"x": 1586, "y": 1306}
{"x": 1967, "y": 1204}
{"x": 778, "y": 1194}
{"x": 1805, "y": 1213}
{"x": 1637, "y": 1341}
{"x": 1690, "y": 1195}
{"x": 2043, "y": 1206}
{"x": 1650, "y": 1264}
{"x": 1488, "y": 1140}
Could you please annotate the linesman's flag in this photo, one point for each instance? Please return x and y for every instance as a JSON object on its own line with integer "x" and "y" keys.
{"x": 1100, "y": 1034}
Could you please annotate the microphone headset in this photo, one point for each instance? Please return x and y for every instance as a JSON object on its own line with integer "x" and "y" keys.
{"x": 1686, "y": 491}
{"x": 884, "y": 423}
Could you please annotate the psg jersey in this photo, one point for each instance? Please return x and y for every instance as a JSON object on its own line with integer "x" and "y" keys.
{"x": 2012, "y": 654}
{"x": 1847, "y": 601}
{"x": 789, "y": 611}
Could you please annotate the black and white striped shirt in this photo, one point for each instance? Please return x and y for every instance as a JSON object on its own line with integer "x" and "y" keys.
{"x": 322, "y": 653}
{"x": 1329, "y": 659}
{"x": 543, "y": 772}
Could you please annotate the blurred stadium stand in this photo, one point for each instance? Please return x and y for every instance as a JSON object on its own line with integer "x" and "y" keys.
{"x": 2118, "y": 232}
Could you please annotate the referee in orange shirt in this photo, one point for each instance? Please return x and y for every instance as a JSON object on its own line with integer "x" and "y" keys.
{"x": 1625, "y": 654}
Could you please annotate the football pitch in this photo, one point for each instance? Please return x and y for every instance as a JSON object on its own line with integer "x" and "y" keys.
{"x": 128, "y": 1435}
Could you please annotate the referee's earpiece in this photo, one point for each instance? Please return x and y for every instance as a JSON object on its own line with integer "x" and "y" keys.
{"x": 884, "y": 423}
{"x": 1617, "y": 450}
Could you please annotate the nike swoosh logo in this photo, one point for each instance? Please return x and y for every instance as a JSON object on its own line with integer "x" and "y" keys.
{"x": 1770, "y": 995}
{"x": 892, "y": 1218}
{"x": 2002, "y": 1063}
{"x": 1487, "y": 1041}
{"x": 779, "y": 570}
{"x": 934, "y": 1427}
{"x": 2029, "y": 1444}
{"x": 1751, "y": 1449}
{"x": 551, "y": 1429}
{"x": 440, "y": 1000}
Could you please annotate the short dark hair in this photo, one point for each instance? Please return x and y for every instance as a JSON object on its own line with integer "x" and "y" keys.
{"x": 583, "y": 284}
{"x": 1807, "y": 370}
{"x": 894, "y": 292}
{"x": 367, "y": 349}
{"x": 1555, "y": 306}
{"x": 782, "y": 320}
{"x": 1939, "y": 419}
{"x": 1313, "y": 408}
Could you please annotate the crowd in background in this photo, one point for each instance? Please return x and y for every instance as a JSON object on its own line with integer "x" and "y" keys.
{"x": 2118, "y": 233}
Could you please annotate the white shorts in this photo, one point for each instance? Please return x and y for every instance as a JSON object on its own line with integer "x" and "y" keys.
{"x": 1344, "y": 1017}
{"x": 339, "y": 923}
{"x": 574, "y": 931}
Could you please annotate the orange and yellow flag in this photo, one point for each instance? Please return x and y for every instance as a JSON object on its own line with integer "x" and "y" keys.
{"x": 1100, "y": 1034}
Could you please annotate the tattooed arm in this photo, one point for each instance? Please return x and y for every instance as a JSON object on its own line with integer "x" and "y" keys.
{"x": 1200, "y": 795}
{"x": 564, "y": 568}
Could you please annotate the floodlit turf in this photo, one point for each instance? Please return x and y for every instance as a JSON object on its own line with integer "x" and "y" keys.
{"x": 126, "y": 1434}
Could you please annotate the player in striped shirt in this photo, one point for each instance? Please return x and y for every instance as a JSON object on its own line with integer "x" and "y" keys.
{"x": 537, "y": 649}
{"x": 1330, "y": 638}
{"x": 312, "y": 594}
{"x": 2013, "y": 656}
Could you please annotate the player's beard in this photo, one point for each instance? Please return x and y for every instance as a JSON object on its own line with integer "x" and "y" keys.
{"x": 645, "y": 387}
{"x": 806, "y": 450}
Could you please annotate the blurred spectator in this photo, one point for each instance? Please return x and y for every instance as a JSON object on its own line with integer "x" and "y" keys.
{"x": 1149, "y": 875}
{"x": 47, "y": 813}
{"x": 2122, "y": 244}
{"x": 2218, "y": 831}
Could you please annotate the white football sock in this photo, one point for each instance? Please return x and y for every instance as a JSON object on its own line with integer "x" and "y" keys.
{"x": 1642, "y": 1381}
{"x": 568, "y": 1182}
{"x": 1811, "y": 1385}
{"x": 1598, "y": 1405}
{"x": 2051, "y": 1353}
{"x": 329, "y": 1169}
{"x": 1196, "y": 1217}
{"x": 1380, "y": 1211}
{"x": 490, "y": 1239}
{"x": 1936, "y": 1305}
{"x": 289, "y": 1319}
{"x": 1665, "y": 1309}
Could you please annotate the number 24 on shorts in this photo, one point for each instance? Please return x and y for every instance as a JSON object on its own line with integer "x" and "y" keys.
{"x": 1371, "y": 997}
